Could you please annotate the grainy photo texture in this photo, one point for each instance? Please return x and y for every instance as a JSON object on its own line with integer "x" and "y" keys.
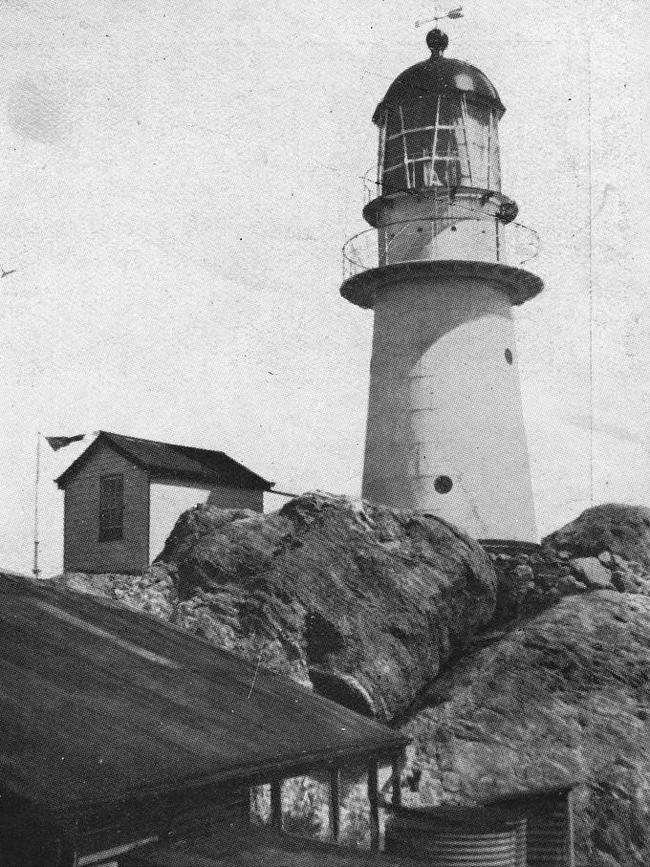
{"x": 324, "y": 350}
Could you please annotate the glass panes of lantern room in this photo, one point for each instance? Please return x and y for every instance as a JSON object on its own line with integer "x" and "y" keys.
{"x": 440, "y": 141}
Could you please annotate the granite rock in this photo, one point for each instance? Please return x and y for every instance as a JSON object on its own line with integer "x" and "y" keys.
{"x": 364, "y": 603}
{"x": 562, "y": 699}
{"x": 511, "y": 671}
{"x": 612, "y": 527}
{"x": 592, "y": 573}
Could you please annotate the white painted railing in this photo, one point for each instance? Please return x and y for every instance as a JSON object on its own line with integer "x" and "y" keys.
{"x": 479, "y": 237}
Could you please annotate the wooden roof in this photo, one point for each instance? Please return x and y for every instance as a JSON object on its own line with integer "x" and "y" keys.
{"x": 99, "y": 703}
{"x": 168, "y": 461}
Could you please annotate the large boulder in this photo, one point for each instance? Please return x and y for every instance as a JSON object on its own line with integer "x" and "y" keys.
{"x": 364, "y": 602}
{"x": 564, "y": 698}
{"x": 611, "y": 528}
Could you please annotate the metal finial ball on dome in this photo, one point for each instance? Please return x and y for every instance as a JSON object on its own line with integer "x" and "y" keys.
{"x": 437, "y": 41}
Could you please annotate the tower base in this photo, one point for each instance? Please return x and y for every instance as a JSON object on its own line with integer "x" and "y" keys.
{"x": 445, "y": 429}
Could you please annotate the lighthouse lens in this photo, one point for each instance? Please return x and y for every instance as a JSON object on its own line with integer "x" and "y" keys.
{"x": 439, "y": 141}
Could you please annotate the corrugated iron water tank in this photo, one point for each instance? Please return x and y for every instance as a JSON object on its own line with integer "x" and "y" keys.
{"x": 549, "y": 832}
{"x": 459, "y": 837}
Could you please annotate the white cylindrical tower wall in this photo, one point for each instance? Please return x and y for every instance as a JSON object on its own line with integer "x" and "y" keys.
{"x": 445, "y": 406}
{"x": 430, "y": 227}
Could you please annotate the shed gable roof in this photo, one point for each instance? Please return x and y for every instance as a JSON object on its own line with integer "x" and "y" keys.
{"x": 168, "y": 461}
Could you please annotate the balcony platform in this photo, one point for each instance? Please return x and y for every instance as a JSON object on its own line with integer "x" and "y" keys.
{"x": 361, "y": 288}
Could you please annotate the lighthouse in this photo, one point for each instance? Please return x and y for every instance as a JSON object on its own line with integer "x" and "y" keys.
{"x": 441, "y": 268}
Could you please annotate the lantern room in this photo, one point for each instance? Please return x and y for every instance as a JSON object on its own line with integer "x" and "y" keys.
{"x": 438, "y": 126}
{"x": 437, "y": 193}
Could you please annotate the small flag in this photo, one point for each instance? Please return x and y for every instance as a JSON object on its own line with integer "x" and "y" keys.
{"x": 455, "y": 13}
{"x": 61, "y": 442}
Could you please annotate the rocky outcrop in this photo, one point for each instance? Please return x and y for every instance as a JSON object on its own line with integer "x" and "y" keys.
{"x": 516, "y": 670}
{"x": 612, "y": 529}
{"x": 564, "y": 698}
{"x": 154, "y": 592}
{"x": 529, "y": 582}
{"x": 363, "y": 602}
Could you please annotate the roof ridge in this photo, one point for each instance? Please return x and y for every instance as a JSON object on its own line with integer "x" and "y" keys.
{"x": 175, "y": 459}
{"x": 199, "y": 449}
{"x": 164, "y": 443}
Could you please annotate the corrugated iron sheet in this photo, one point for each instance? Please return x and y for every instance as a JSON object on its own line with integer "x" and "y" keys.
{"x": 524, "y": 830}
{"x": 549, "y": 814}
{"x": 466, "y": 838}
{"x": 550, "y": 834}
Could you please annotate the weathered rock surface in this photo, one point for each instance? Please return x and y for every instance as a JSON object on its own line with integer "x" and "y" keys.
{"x": 563, "y": 698}
{"x": 544, "y": 681}
{"x": 364, "y": 602}
{"x": 612, "y": 527}
{"x": 528, "y": 583}
{"x": 153, "y": 592}
{"x": 592, "y": 573}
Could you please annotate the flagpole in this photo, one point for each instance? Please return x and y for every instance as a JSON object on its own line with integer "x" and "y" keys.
{"x": 36, "y": 571}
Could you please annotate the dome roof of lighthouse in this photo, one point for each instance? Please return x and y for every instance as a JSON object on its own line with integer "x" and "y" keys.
{"x": 439, "y": 75}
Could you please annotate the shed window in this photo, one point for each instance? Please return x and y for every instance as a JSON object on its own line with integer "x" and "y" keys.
{"x": 111, "y": 508}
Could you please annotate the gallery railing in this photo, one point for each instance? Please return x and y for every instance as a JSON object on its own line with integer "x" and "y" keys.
{"x": 476, "y": 237}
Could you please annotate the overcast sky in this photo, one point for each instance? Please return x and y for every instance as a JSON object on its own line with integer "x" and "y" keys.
{"x": 179, "y": 179}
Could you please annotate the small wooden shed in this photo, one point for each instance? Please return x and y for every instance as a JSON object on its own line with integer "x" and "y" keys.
{"x": 121, "y": 733}
{"x": 124, "y": 494}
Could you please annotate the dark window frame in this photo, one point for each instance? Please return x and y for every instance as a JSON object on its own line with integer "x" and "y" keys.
{"x": 111, "y": 507}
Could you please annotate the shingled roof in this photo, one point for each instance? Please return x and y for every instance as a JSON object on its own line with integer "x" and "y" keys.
{"x": 100, "y": 703}
{"x": 168, "y": 461}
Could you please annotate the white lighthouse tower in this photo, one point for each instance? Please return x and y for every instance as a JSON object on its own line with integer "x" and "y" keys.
{"x": 445, "y": 430}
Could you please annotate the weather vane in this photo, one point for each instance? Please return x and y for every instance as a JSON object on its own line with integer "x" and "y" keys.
{"x": 453, "y": 13}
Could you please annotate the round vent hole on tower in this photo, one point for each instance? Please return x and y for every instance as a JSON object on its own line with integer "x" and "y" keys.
{"x": 453, "y": 228}
{"x": 508, "y": 355}
{"x": 443, "y": 484}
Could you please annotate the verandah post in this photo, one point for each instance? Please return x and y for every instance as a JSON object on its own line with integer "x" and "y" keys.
{"x": 335, "y": 803}
{"x": 373, "y": 797}
{"x": 276, "y": 805}
{"x": 396, "y": 778}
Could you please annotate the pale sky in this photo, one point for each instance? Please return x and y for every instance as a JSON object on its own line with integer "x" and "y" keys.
{"x": 180, "y": 177}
